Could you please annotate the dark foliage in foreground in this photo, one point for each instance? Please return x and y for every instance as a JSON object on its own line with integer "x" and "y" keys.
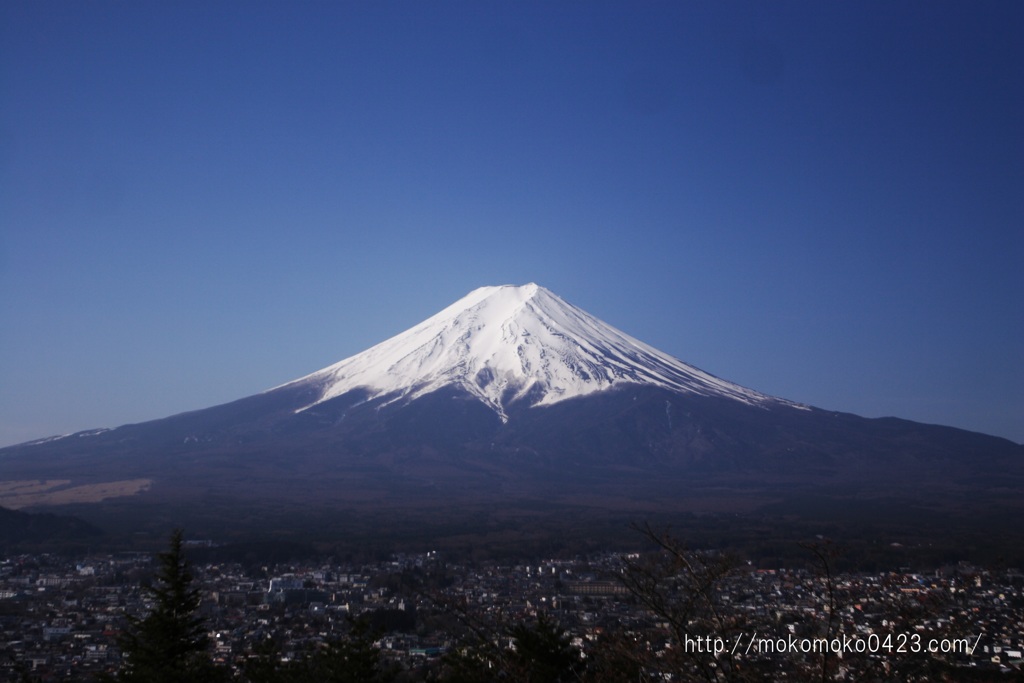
{"x": 682, "y": 590}
{"x": 169, "y": 644}
{"x": 353, "y": 659}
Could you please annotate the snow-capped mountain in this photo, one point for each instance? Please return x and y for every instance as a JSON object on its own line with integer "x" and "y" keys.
{"x": 509, "y": 343}
{"x": 508, "y": 394}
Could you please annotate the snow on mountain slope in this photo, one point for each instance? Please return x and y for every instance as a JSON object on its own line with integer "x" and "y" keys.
{"x": 502, "y": 343}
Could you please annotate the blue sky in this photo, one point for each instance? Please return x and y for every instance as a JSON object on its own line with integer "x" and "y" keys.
{"x": 820, "y": 201}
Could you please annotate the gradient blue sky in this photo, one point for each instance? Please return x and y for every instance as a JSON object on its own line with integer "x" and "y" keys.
{"x": 818, "y": 200}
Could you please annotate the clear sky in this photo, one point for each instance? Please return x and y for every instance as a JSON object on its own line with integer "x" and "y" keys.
{"x": 823, "y": 201}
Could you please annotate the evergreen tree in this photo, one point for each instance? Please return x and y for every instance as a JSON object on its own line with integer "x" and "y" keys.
{"x": 544, "y": 653}
{"x": 169, "y": 644}
{"x": 352, "y": 659}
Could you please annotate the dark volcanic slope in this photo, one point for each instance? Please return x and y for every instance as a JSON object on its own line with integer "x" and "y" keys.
{"x": 636, "y": 442}
{"x": 28, "y": 531}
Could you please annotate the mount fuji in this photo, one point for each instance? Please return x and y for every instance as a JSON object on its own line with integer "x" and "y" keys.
{"x": 508, "y": 344}
{"x": 510, "y": 394}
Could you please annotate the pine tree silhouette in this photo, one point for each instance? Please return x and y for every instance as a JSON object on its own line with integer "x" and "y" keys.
{"x": 169, "y": 644}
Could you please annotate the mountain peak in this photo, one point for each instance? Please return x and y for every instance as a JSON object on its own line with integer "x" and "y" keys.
{"x": 496, "y": 298}
{"x": 508, "y": 343}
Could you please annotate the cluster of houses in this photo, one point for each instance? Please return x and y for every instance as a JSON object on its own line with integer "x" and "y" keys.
{"x": 60, "y": 619}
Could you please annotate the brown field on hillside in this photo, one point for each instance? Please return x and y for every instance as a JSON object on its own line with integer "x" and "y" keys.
{"x": 27, "y": 493}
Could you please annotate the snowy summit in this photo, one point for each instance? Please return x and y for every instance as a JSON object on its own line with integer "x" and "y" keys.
{"x": 506, "y": 343}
